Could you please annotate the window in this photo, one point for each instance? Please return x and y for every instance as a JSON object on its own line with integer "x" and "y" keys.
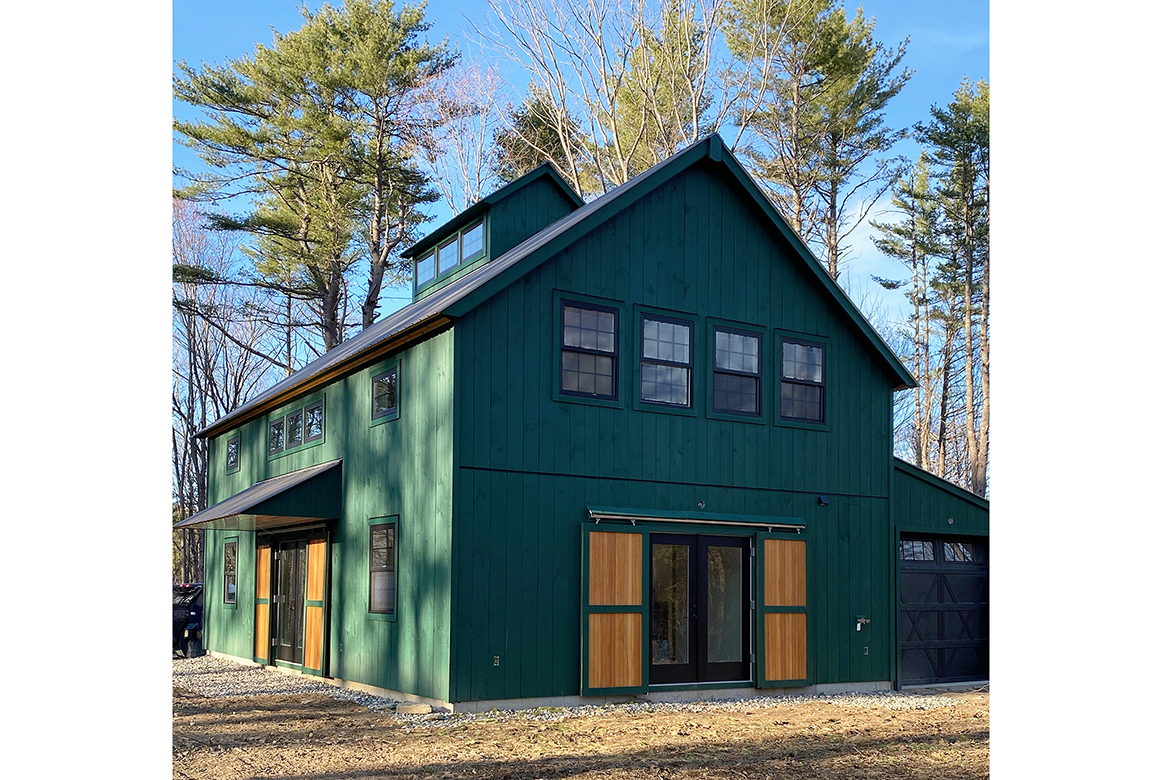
{"x": 384, "y": 398}
{"x": 588, "y": 350}
{"x": 473, "y": 242}
{"x": 276, "y": 436}
{"x": 294, "y": 429}
{"x": 457, "y": 250}
{"x": 230, "y": 568}
{"x": 425, "y": 269}
{"x": 666, "y": 361}
{"x": 961, "y": 552}
{"x": 314, "y": 414}
{"x": 233, "y": 453}
{"x": 447, "y": 256}
{"x": 381, "y": 567}
{"x": 737, "y": 372}
{"x": 802, "y": 387}
{"x": 914, "y": 550}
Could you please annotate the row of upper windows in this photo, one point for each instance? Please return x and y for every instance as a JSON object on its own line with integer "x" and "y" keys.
{"x": 462, "y": 248}
{"x": 305, "y": 426}
{"x": 589, "y": 364}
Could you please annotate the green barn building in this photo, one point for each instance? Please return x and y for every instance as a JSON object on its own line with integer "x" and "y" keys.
{"x": 639, "y": 446}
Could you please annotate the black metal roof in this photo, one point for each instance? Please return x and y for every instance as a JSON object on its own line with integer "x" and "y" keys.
{"x": 241, "y": 503}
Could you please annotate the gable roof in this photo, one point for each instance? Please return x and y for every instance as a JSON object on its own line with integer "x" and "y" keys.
{"x": 438, "y": 310}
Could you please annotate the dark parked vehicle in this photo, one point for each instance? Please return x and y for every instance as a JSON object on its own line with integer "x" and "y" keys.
{"x": 187, "y": 619}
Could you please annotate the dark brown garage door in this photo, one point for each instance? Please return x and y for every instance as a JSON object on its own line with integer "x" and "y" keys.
{"x": 944, "y": 614}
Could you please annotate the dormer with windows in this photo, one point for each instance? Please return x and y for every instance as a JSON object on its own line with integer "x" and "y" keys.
{"x": 488, "y": 228}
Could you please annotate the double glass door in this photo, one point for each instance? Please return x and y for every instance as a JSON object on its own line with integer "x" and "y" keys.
{"x": 699, "y": 608}
{"x": 290, "y": 587}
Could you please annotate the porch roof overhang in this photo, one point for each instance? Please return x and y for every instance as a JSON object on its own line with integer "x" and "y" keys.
{"x": 307, "y": 496}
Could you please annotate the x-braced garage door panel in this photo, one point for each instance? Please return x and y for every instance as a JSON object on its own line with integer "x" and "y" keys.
{"x": 943, "y": 609}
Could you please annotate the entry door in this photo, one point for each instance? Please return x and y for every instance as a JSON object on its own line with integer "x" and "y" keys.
{"x": 290, "y": 590}
{"x": 699, "y": 608}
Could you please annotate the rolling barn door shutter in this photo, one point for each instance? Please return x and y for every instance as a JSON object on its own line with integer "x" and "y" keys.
{"x": 613, "y": 615}
{"x": 262, "y": 604}
{"x": 315, "y": 604}
{"x": 782, "y": 611}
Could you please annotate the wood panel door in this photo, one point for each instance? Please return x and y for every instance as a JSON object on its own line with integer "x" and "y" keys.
{"x": 262, "y": 604}
{"x": 782, "y": 614}
{"x": 315, "y": 605}
{"x": 613, "y": 615}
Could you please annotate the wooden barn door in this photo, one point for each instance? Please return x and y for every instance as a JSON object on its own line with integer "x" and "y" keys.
{"x": 782, "y": 613}
{"x": 262, "y": 604}
{"x": 315, "y": 605}
{"x": 613, "y": 610}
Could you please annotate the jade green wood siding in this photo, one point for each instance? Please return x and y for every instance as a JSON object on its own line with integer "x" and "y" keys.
{"x": 527, "y": 465}
{"x": 923, "y": 503}
{"x": 528, "y": 210}
{"x": 398, "y": 468}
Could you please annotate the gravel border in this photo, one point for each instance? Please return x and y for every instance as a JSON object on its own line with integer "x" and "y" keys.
{"x": 218, "y": 677}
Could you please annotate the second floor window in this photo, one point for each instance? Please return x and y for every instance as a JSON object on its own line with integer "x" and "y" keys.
{"x": 801, "y": 394}
{"x": 737, "y": 371}
{"x": 588, "y": 350}
{"x": 384, "y": 398}
{"x": 233, "y": 452}
{"x": 666, "y": 361}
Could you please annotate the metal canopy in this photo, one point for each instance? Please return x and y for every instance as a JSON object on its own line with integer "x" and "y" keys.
{"x": 286, "y": 501}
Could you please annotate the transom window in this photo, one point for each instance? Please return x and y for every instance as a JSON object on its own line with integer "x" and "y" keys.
{"x": 666, "y": 361}
{"x": 464, "y": 247}
{"x": 737, "y": 371}
{"x": 381, "y": 568}
{"x": 384, "y": 396}
{"x": 801, "y": 395}
{"x": 588, "y": 350}
{"x": 233, "y": 452}
{"x": 295, "y": 429}
{"x": 915, "y": 550}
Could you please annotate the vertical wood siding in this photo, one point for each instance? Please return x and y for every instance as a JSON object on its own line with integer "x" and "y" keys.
{"x": 527, "y": 465}
{"x": 400, "y": 468}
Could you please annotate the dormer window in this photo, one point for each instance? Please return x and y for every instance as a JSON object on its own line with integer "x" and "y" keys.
{"x": 425, "y": 269}
{"x": 457, "y": 250}
{"x": 448, "y": 255}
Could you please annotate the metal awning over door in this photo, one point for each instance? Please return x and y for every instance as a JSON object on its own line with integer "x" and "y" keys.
{"x": 944, "y": 620}
{"x": 309, "y": 495}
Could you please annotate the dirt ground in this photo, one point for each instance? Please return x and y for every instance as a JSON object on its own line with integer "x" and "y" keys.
{"x": 310, "y": 736}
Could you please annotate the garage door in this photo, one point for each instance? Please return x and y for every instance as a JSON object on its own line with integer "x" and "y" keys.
{"x": 943, "y": 609}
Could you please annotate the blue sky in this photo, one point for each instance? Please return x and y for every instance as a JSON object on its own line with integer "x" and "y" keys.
{"x": 948, "y": 41}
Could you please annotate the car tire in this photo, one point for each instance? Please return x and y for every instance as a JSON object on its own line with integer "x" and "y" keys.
{"x": 192, "y": 647}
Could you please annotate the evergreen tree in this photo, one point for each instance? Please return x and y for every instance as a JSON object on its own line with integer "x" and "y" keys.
{"x": 319, "y": 131}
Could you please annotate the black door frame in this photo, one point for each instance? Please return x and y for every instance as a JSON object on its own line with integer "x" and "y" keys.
{"x": 698, "y": 669}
